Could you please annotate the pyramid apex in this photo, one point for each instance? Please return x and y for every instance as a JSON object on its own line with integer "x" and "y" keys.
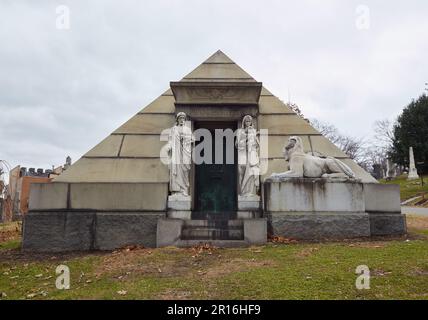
{"x": 219, "y": 57}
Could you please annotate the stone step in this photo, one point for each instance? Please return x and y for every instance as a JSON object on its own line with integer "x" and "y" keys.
{"x": 214, "y": 243}
{"x": 226, "y": 215}
{"x": 213, "y": 223}
{"x": 206, "y": 233}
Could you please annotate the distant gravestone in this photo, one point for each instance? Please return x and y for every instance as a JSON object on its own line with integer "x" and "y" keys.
{"x": 413, "y": 173}
{"x": 377, "y": 171}
{"x": 391, "y": 169}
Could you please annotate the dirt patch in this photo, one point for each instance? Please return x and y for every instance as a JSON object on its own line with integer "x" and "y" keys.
{"x": 417, "y": 223}
{"x": 282, "y": 240}
{"x": 16, "y": 255}
{"x": 165, "y": 262}
{"x": 306, "y": 252}
{"x": 174, "y": 262}
{"x": 234, "y": 265}
{"x": 6, "y": 236}
{"x": 372, "y": 245}
{"x": 10, "y": 231}
{"x": 419, "y": 272}
{"x": 380, "y": 273}
{"x": 172, "y": 294}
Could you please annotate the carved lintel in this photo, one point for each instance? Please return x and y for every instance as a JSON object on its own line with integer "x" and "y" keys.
{"x": 210, "y": 92}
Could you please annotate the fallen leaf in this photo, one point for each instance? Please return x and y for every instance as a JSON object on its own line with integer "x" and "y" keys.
{"x": 3, "y": 295}
{"x": 31, "y": 295}
{"x": 279, "y": 239}
{"x": 39, "y": 275}
{"x": 122, "y": 292}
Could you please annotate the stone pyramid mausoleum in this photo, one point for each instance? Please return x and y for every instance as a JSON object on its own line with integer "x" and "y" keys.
{"x": 117, "y": 193}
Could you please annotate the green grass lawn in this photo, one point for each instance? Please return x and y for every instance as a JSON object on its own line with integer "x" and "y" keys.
{"x": 409, "y": 189}
{"x": 399, "y": 270}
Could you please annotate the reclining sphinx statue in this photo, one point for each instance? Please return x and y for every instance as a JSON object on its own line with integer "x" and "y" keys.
{"x": 304, "y": 165}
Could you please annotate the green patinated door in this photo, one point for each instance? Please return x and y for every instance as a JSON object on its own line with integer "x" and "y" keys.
{"x": 215, "y": 184}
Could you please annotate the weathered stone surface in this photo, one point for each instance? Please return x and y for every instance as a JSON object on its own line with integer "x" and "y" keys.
{"x": 276, "y": 145}
{"x": 216, "y": 92}
{"x": 217, "y": 112}
{"x": 179, "y": 202}
{"x": 48, "y": 196}
{"x": 314, "y": 195}
{"x": 115, "y": 230}
{"x": 386, "y": 224}
{"x": 267, "y": 167}
{"x": 177, "y": 214}
{"x": 254, "y": 214}
{"x": 360, "y": 173}
{"x": 109, "y": 147}
{"x": 146, "y": 123}
{"x": 218, "y": 71}
{"x": 249, "y": 203}
{"x": 285, "y": 125}
{"x": 266, "y": 92}
{"x": 142, "y": 146}
{"x": 319, "y": 226}
{"x": 271, "y": 104}
{"x": 163, "y": 104}
{"x": 321, "y": 145}
{"x": 58, "y": 231}
{"x": 218, "y": 57}
{"x": 116, "y": 170}
{"x": 255, "y": 231}
{"x": 168, "y": 232}
{"x": 382, "y": 197}
{"x": 119, "y": 196}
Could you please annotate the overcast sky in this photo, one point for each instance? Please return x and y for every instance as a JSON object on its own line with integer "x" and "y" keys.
{"x": 64, "y": 90}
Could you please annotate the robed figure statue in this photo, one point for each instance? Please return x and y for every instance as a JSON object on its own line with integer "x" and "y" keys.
{"x": 179, "y": 149}
{"x": 248, "y": 145}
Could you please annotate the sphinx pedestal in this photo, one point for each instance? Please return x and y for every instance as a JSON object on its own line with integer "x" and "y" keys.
{"x": 303, "y": 208}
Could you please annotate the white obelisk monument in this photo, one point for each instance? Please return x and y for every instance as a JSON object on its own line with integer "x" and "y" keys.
{"x": 413, "y": 173}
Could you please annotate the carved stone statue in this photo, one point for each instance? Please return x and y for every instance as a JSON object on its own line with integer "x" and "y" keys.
{"x": 179, "y": 149}
{"x": 247, "y": 144}
{"x": 303, "y": 165}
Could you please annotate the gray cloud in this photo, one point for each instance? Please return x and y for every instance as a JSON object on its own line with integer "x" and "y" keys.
{"x": 61, "y": 92}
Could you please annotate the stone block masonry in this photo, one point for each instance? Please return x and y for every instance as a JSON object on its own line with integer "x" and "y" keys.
{"x": 326, "y": 209}
{"x": 57, "y": 231}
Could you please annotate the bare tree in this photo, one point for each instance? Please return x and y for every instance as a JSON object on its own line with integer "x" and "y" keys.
{"x": 294, "y": 107}
{"x": 354, "y": 147}
{"x": 384, "y": 134}
{"x": 326, "y": 129}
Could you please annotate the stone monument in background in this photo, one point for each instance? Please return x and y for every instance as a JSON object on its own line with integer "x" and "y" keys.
{"x": 413, "y": 173}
